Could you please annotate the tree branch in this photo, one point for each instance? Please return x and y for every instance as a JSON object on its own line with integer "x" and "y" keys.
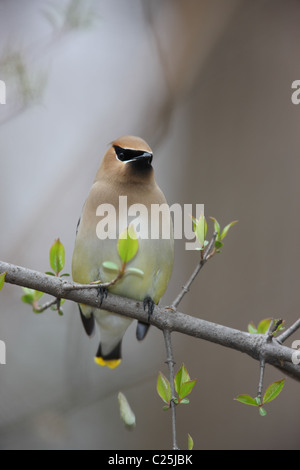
{"x": 262, "y": 364}
{"x": 171, "y": 363}
{"x": 287, "y": 333}
{"x": 254, "y": 345}
{"x": 209, "y": 252}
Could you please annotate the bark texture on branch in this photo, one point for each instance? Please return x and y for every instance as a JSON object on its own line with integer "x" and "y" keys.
{"x": 256, "y": 346}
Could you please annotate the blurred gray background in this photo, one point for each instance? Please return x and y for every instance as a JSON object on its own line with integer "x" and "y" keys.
{"x": 208, "y": 84}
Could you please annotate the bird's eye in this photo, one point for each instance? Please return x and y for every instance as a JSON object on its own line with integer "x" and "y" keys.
{"x": 129, "y": 155}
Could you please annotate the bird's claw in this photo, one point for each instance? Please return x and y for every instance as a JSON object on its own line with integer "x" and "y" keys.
{"x": 149, "y": 303}
{"x": 102, "y": 293}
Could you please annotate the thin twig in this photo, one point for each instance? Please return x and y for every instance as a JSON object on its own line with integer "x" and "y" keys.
{"x": 274, "y": 325}
{"x": 171, "y": 363}
{"x": 96, "y": 284}
{"x": 92, "y": 285}
{"x": 287, "y": 333}
{"x": 185, "y": 289}
{"x": 262, "y": 364}
{"x": 45, "y": 306}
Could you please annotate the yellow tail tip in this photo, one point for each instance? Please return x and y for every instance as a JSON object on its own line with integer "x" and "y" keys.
{"x": 112, "y": 363}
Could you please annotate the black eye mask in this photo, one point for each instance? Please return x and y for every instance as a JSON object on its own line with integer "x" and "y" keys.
{"x": 129, "y": 155}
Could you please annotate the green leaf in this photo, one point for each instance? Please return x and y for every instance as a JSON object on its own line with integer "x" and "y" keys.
{"x": 65, "y": 274}
{"x": 128, "y": 244}
{"x": 190, "y": 442}
{"x": 186, "y": 388}
{"x": 218, "y": 244}
{"x": 185, "y": 401}
{"x": 273, "y": 391}
{"x": 29, "y": 296}
{"x": 194, "y": 223}
{"x": 246, "y": 400}
{"x": 110, "y": 266}
{"x": 136, "y": 271}
{"x": 262, "y": 411}
{"x": 163, "y": 388}
{"x": 263, "y": 326}
{"x": 258, "y": 400}
{"x": 38, "y": 295}
{"x": 201, "y": 229}
{"x": 57, "y": 256}
{"x": 26, "y": 290}
{"x": 126, "y": 413}
{"x": 252, "y": 328}
{"x": 2, "y": 279}
{"x": 166, "y": 407}
{"x": 27, "y": 299}
{"x": 279, "y": 327}
{"x": 181, "y": 377}
{"x": 38, "y": 312}
{"x": 225, "y": 230}
{"x": 50, "y": 273}
{"x": 217, "y": 227}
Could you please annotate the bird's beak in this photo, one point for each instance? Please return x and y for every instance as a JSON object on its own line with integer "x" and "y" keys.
{"x": 145, "y": 157}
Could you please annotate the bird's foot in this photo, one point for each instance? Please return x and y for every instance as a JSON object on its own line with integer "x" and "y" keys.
{"x": 101, "y": 293}
{"x": 149, "y": 303}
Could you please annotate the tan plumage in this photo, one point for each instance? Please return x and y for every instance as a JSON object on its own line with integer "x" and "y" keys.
{"x": 125, "y": 171}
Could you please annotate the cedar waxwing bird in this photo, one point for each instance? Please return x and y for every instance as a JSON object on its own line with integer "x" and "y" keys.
{"x": 125, "y": 172}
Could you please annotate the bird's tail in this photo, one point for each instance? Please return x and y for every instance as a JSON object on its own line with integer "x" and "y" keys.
{"x": 141, "y": 330}
{"x": 111, "y": 360}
